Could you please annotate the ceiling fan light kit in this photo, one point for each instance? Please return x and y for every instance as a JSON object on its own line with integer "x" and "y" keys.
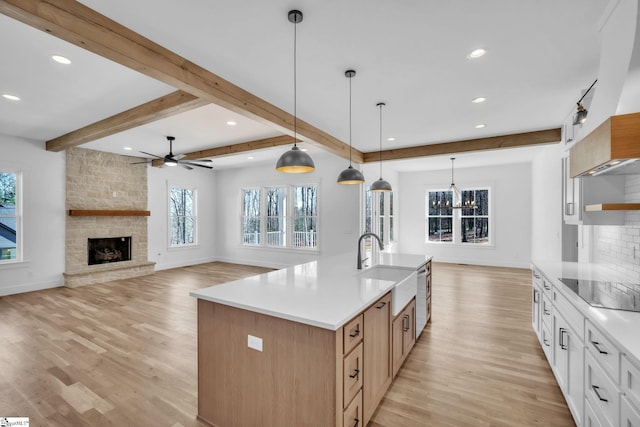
{"x": 295, "y": 160}
{"x": 350, "y": 175}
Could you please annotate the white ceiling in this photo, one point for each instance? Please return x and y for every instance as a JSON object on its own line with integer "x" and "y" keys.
{"x": 410, "y": 54}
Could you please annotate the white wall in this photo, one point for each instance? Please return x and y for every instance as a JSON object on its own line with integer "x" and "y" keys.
{"x": 204, "y": 181}
{"x": 510, "y": 209}
{"x": 546, "y": 204}
{"x": 338, "y": 212}
{"x": 44, "y": 215}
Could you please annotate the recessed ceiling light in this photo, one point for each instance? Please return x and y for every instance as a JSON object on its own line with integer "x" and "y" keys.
{"x": 303, "y": 149}
{"x": 478, "y": 100}
{"x": 61, "y": 59}
{"x": 250, "y": 157}
{"x": 391, "y": 138}
{"x": 10, "y": 97}
{"x": 480, "y": 126}
{"x": 477, "y": 53}
{"x": 128, "y": 148}
{"x": 231, "y": 123}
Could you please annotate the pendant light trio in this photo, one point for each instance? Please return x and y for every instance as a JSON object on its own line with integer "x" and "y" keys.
{"x": 297, "y": 161}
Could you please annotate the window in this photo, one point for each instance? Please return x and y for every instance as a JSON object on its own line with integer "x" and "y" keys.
{"x": 182, "y": 216}
{"x": 9, "y": 217}
{"x": 475, "y": 218}
{"x": 284, "y": 217}
{"x": 469, "y": 224}
{"x": 378, "y": 214}
{"x": 251, "y": 216}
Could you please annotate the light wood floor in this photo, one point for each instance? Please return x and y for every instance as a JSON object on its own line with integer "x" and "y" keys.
{"x": 124, "y": 353}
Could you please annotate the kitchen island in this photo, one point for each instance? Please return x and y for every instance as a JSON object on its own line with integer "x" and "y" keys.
{"x": 308, "y": 345}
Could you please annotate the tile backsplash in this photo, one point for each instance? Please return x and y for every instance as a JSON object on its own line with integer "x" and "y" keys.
{"x": 618, "y": 247}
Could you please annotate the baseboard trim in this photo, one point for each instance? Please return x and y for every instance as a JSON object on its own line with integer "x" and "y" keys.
{"x": 30, "y": 287}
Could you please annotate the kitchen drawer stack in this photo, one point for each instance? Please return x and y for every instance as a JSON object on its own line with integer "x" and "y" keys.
{"x": 600, "y": 383}
{"x": 352, "y": 372}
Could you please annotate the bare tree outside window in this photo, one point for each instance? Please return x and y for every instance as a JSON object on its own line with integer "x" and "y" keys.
{"x": 251, "y": 216}
{"x": 8, "y": 217}
{"x": 305, "y": 216}
{"x": 439, "y": 216}
{"x": 182, "y": 216}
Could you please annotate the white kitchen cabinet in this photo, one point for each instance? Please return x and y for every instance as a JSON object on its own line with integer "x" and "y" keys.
{"x": 569, "y": 366}
{"x": 571, "y": 212}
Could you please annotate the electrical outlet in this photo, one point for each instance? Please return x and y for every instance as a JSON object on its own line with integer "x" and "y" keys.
{"x": 254, "y": 342}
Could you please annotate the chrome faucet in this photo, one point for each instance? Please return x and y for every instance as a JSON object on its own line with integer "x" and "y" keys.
{"x": 360, "y": 246}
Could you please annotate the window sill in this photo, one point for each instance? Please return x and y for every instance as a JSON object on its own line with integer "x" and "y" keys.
{"x": 6, "y": 265}
{"x": 464, "y": 245}
{"x": 182, "y": 248}
{"x": 281, "y": 249}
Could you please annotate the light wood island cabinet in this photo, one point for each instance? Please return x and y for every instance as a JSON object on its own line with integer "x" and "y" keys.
{"x": 404, "y": 335}
{"x": 304, "y": 375}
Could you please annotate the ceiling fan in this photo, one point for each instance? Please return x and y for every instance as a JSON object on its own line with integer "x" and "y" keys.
{"x": 174, "y": 159}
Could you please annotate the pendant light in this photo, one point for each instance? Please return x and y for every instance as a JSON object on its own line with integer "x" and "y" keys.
{"x": 581, "y": 115}
{"x": 350, "y": 175}
{"x": 295, "y": 160}
{"x": 457, "y": 195}
{"x": 381, "y": 185}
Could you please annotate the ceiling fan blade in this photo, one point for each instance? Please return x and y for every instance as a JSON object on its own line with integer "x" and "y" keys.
{"x": 149, "y": 154}
{"x": 202, "y": 161}
{"x": 139, "y": 163}
{"x": 196, "y": 164}
{"x": 178, "y": 156}
{"x": 185, "y": 166}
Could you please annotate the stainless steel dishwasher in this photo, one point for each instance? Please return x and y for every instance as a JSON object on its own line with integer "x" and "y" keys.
{"x": 421, "y": 300}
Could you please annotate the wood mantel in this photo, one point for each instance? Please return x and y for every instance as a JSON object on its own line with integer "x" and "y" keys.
{"x": 107, "y": 212}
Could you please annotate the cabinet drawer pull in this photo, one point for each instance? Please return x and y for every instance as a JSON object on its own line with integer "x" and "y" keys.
{"x": 357, "y": 422}
{"x": 563, "y": 345}
{"x": 405, "y": 322}
{"x": 546, "y": 342}
{"x": 355, "y": 374}
{"x": 595, "y": 390}
{"x": 537, "y": 276}
{"x": 547, "y": 312}
{"x": 355, "y": 333}
{"x": 545, "y": 286}
{"x": 596, "y": 344}
{"x": 536, "y": 296}
{"x": 382, "y": 304}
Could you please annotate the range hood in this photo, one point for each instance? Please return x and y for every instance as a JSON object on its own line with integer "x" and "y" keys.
{"x": 613, "y": 147}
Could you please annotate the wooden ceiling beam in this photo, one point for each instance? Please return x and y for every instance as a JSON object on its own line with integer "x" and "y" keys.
{"x": 547, "y": 136}
{"x": 166, "y": 106}
{"x": 229, "y": 150}
{"x": 75, "y": 23}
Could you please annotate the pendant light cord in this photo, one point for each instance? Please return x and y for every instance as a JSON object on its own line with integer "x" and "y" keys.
{"x": 380, "y": 151}
{"x": 585, "y": 94}
{"x": 452, "y": 181}
{"x": 350, "y": 121}
{"x": 295, "y": 84}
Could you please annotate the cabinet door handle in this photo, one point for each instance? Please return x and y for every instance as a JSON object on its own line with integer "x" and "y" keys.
{"x": 355, "y": 374}
{"x": 545, "y": 286}
{"x": 355, "y": 333}
{"x": 563, "y": 345}
{"x": 357, "y": 422}
{"x": 537, "y": 276}
{"x": 547, "y": 312}
{"x": 405, "y": 323}
{"x": 546, "y": 342}
{"x": 424, "y": 270}
{"x": 595, "y": 390}
{"x": 596, "y": 344}
{"x": 382, "y": 304}
{"x": 536, "y": 297}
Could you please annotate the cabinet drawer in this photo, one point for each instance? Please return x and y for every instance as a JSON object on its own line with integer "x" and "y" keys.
{"x": 602, "y": 393}
{"x": 352, "y": 374}
{"x": 352, "y": 334}
{"x": 547, "y": 311}
{"x": 352, "y": 416}
{"x": 590, "y": 418}
{"x": 629, "y": 416}
{"x": 630, "y": 381}
{"x": 536, "y": 277}
{"x": 571, "y": 314}
{"x": 603, "y": 351}
{"x": 547, "y": 288}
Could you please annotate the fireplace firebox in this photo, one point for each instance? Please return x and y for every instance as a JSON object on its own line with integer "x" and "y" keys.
{"x": 109, "y": 249}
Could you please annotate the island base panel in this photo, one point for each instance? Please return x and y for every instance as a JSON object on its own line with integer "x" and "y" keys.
{"x": 291, "y": 382}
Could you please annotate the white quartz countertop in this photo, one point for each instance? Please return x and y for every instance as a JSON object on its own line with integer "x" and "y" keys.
{"x": 622, "y": 326}
{"x": 326, "y": 293}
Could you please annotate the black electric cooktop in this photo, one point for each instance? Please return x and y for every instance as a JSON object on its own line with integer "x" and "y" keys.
{"x": 615, "y": 295}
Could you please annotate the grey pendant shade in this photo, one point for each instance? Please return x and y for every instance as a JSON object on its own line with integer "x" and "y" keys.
{"x": 381, "y": 186}
{"x": 350, "y": 175}
{"x": 295, "y": 160}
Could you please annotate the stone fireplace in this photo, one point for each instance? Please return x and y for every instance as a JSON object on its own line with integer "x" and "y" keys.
{"x": 106, "y": 198}
{"x": 104, "y": 250}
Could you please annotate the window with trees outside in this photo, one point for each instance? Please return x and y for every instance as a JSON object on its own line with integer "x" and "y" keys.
{"x": 283, "y": 216}
{"x": 468, "y": 224}
{"x": 10, "y": 216}
{"x": 182, "y": 217}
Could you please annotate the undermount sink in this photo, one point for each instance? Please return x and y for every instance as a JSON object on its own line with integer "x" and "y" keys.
{"x": 405, "y": 288}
